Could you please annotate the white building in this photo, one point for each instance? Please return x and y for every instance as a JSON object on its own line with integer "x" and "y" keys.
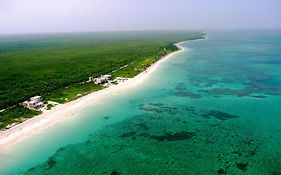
{"x": 35, "y": 102}
{"x": 107, "y": 76}
{"x": 102, "y": 79}
{"x": 36, "y": 98}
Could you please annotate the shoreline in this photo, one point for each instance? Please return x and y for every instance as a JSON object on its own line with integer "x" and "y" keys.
{"x": 41, "y": 122}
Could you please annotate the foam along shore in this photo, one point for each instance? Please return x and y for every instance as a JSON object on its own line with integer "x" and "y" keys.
{"x": 48, "y": 118}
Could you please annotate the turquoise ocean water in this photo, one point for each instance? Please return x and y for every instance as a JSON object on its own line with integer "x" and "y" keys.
{"x": 213, "y": 109}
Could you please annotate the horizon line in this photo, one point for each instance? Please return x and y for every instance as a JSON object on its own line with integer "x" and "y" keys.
{"x": 136, "y": 30}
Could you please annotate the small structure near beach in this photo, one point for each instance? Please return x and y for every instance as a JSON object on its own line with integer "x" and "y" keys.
{"x": 106, "y": 80}
{"x": 35, "y": 102}
{"x": 120, "y": 80}
{"x": 102, "y": 79}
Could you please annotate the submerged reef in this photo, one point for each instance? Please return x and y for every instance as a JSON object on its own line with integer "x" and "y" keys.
{"x": 182, "y": 135}
{"x": 262, "y": 85}
{"x": 181, "y": 91}
{"x": 169, "y": 135}
{"x": 143, "y": 126}
{"x": 219, "y": 115}
{"x": 221, "y": 171}
{"x": 242, "y": 166}
{"x": 148, "y": 108}
{"x": 115, "y": 173}
{"x": 188, "y": 94}
{"x": 128, "y": 134}
{"x": 51, "y": 163}
{"x": 107, "y": 117}
{"x": 180, "y": 87}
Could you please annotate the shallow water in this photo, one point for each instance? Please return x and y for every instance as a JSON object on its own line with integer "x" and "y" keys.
{"x": 212, "y": 109}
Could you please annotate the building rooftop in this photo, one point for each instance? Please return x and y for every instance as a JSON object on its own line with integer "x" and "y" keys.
{"x": 35, "y": 97}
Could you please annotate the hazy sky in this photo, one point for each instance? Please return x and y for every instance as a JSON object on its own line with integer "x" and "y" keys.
{"x": 25, "y": 16}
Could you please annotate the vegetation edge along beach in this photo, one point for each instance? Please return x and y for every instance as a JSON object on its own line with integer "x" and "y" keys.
{"x": 47, "y": 118}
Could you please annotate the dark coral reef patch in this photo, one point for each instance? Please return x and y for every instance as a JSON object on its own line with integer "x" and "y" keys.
{"x": 188, "y": 94}
{"x": 51, "y": 163}
{"x": 242, "y": 166}
{"x": 219, "y": 115}
{"x": 128, "y": 134}
{"x": 182, "y": 135}
{"x": 182, "y": 92}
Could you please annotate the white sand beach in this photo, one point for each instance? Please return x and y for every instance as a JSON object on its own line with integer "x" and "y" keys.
{"x": 60, "y": 112}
